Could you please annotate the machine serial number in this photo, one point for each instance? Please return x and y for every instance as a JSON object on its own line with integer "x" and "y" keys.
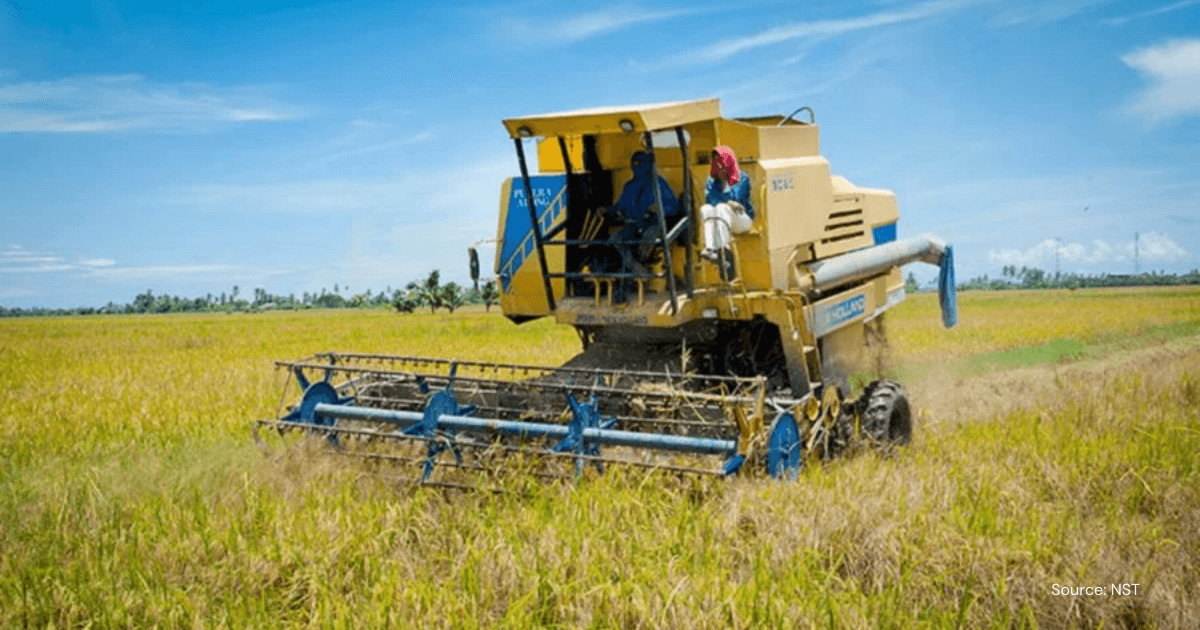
{"x": 585, "y": 318}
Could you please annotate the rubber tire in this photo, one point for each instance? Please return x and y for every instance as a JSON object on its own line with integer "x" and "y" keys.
{"x": 887, "y": 417}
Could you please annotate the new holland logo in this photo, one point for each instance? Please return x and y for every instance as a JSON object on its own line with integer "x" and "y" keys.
{"x": 834, "y": 315}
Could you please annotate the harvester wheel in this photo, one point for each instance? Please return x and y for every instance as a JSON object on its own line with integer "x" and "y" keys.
{"x": 886, "y": 417}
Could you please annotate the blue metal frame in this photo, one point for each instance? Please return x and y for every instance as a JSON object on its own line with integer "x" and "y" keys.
{"x": 438, "y": 404}
{"x": 534, "y": 430}
{"x": 442, "y": 418}
{"x": 319, "y": 393}
{"x": 584, "y": 416}
{"x": 784, "y": 448}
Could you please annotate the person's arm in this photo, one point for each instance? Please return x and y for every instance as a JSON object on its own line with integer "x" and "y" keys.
{"x": 712, "y": 192}
{"x": 743, "y": 194}
{"x": 668, "y": 198}
{"x": 624, "y": 207}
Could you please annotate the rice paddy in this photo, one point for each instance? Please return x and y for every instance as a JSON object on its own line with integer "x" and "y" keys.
{"x": 1055, "y": 448}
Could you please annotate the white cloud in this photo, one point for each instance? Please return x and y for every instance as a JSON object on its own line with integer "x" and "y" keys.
{"x": 783, "y": 86}
{"x": 354, "y": 143}
{"x": 1151, "y": 247}
{"x": 587, "y": 25}
{"x": 1173, "y": 70}
{"x": 113, "y": 103}
{"x": 1117, "y": 21}
{"x": 727, "y": 48}
{"x": 389, "y": 230}
{"x": 9, "y": 293}
{"x": 426, "y": 196}
{"x": 17, "y": 253}
{"x": 1155, "y": 247}
{"x": 16, "y": 259}
{"x": 39, "y": 268}
{"x": 163, "y": 271}
{"x": 1041, "y": 13}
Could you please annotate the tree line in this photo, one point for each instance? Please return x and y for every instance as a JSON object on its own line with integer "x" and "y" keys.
{"x": 430, "y": 292}
{"x": 1033, "y": 278}
{"x": 416, "y": 294}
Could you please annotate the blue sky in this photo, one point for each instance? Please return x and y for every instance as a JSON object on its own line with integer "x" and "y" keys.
{"x": 293, "y": 147}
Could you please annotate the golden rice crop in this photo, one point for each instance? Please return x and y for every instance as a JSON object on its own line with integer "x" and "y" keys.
{"x": 131, "y": 494}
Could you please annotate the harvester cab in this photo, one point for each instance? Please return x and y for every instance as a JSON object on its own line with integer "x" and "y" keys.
{"x": 744, "y": 358}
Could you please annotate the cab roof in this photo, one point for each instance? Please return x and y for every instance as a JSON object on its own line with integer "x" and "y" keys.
{"x": 649, "y": 117}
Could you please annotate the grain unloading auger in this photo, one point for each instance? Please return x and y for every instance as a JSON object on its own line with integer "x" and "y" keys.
{"x": 744, "y": 362}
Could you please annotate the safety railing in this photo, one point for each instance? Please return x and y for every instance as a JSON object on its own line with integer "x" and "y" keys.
{"x": 665, "y": 241}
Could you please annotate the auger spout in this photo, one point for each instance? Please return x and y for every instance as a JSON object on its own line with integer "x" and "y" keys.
{"x": 864, "y": 263}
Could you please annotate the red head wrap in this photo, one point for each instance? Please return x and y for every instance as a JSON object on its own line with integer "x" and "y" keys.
{"x": 726, "y": 158}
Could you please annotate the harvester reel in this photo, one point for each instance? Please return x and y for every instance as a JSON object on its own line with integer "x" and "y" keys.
{"x": 437, "y": 404}
{"x": 400, "y": 414}
{"x": 317, "y": 393}
{"x": 583, "y": 416}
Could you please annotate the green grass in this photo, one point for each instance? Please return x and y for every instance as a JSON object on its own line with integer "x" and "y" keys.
{"x": 131, "y": 494}
{"x": 1051, "y": 353}
{"x": 991, "y": 321}
{"x": 1057, "y": 351}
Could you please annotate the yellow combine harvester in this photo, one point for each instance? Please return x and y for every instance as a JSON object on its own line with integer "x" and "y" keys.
{"x": 744, "y": 357}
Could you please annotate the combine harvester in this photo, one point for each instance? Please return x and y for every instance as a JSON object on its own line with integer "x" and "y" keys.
{"x": 730, "y": 367}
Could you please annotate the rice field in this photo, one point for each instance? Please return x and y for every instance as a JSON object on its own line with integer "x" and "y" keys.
{"x": 1056, "y": 449}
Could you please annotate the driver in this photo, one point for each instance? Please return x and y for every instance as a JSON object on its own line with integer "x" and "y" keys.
{"x": 636, "y": 208}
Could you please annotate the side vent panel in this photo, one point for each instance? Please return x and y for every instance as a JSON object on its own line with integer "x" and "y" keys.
{"x": 845, "y": 228}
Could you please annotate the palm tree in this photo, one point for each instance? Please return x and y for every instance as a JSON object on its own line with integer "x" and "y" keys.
{"x": 429, "y": 292}
{"x": 490, "y": 295}
{"x": 453, "y": 296}
{"x": 405, "y": 303}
